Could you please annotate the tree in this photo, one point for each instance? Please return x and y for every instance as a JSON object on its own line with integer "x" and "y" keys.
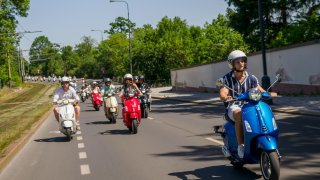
{"x": 280, "y": 17}
{"x": 41, "y": 52}
{"x": 9, "y": 11}
{"x": 121, "y": 25}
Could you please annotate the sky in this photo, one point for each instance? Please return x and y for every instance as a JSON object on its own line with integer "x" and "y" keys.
{"x": 66, "y": 21}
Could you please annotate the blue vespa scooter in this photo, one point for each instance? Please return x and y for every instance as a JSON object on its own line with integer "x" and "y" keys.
{"x": 260, "y": 133}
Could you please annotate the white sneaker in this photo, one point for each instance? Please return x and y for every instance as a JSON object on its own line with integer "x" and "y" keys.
{"x": 241, "y": 150}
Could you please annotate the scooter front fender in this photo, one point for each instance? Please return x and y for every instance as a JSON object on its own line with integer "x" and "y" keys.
{"x": 134, "y": 115}
{"x": 266, "y": 143}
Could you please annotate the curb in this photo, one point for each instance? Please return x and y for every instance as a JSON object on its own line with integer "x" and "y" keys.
{"x": 274, "y": 108}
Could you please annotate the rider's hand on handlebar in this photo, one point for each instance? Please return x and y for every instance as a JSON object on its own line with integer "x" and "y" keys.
{"x": 228, "y": 99}
{"x": 273, "y": 94}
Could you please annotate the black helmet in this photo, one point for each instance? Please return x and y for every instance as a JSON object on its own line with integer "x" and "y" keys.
{"x": 135, "y": 77}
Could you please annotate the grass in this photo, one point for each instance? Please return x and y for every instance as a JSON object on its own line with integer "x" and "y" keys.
{"x": 16, "y": 119}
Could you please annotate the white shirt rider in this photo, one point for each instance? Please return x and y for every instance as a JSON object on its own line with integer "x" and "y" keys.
{"x": 61, "y": 94}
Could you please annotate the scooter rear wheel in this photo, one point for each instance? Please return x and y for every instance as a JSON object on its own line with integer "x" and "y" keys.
{"x": 270, "y": 165}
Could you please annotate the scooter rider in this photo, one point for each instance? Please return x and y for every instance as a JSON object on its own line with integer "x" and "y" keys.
{"x": 108, "y": 88}
{"x": 240, "y": 81}
{"x": 129, "y": 86}
{"x": 66, "y": 92}
{"x": 142, "y": 84}
{"x": 136, "y": 80}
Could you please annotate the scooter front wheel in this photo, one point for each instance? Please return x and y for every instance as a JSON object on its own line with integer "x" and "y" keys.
{"x": 270, "y": 165}
{"x": 134, "y": 126}
{"x": 68, "y": 134}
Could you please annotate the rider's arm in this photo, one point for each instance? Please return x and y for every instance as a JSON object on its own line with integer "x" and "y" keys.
{"x": 224, "y": 94}
{"x": 137, "y": 89}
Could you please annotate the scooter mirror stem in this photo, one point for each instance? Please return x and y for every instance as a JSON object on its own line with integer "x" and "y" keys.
{"x": 278, "y": 79}
{"x": 220, "y": 83}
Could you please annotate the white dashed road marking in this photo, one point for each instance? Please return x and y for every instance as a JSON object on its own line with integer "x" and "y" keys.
{"x": 85, "y": 169}
{"x": 78, "y": 132}
{"x": 54, "y": 132}
{"x": 80, "y": 145}
{"x": 79, "y": 138}
{"x": 82, "y": 155}
{"x": 215, "y": 141}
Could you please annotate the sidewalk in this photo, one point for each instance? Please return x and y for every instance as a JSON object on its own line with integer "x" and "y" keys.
{"x": 305, "y": 105}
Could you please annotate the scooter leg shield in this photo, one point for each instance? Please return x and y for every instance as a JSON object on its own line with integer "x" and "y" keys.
{"x": 266, "y": 143}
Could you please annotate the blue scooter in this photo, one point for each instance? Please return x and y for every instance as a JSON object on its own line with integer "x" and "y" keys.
{"x": 260, "y": 133}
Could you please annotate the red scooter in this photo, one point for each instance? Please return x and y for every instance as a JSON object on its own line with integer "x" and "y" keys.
{"x": 96, "y": 100}
{"x": 131, "y": 112}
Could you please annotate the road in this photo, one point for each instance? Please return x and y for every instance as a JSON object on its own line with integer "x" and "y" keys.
{"x": 176, "y": 142}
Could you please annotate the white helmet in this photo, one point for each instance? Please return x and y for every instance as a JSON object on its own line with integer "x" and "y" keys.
{"x": 235, "y": 55}
{"x": 128, "y": 76}
{"x": 65, "y": 79}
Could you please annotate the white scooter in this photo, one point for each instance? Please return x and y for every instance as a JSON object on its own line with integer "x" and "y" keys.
{"x": 67, "y": 120}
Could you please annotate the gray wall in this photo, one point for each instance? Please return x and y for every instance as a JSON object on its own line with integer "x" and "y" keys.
{"x": 299, "y": 66}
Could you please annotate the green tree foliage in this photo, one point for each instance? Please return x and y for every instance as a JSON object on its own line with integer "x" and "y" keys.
{"x": 9, "y": 11}
{"x": 174, "y": 44}
{"x": 87, "y": 64}
{"x": 41, "y": 53}
{"x": 121, "y": 25}
{"x": 285, "y": 21}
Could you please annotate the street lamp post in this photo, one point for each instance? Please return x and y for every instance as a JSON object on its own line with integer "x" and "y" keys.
{"x": 129, "y": 27}
{"x": 265, "y": 79}
{"x": 100, "y": 32}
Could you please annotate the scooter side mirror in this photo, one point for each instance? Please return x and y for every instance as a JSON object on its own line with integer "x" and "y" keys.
{"x": 278, "y": 78}
{"x": 219, "y": 82}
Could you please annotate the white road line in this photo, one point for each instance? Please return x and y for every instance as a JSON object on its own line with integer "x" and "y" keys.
{"x": 85, "y": 169}
{"x": 215, "y": 141}
{"x": 82, "y": 155}
{"x": 78, "y": 132}
{"x": 54, "y": 132}
{"x": 312, "y": 127}
{"x": 80, "y": 145}
{"x": 79, "y": 138}
{"x": 150, "y": 118}
{"x": 281, "y": 122}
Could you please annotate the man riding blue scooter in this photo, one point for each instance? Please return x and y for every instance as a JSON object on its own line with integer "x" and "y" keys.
{"x": 248, "y": 118}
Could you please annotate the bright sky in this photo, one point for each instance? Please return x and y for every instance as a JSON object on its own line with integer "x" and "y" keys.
{"x": 66, "y": 21}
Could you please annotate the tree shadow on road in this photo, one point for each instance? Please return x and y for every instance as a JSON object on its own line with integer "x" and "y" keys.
{"x": 53, "y": 139}
{"x": 214, "y": 172}
{"x": 116, "y": 132}
{"x": 196, "y": 153}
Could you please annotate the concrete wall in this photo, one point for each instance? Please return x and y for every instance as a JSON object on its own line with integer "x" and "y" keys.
{"x": 299, "y": 66}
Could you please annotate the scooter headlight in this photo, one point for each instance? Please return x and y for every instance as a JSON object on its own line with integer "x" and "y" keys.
{"x": 274, "y": 124}
{"x": 248, "y": 127}
{"x": 254, "y": 94}
{"x": 66, "y": 101}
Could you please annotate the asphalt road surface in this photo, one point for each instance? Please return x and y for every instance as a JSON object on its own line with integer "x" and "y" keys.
{"x": 175, "y": 142}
